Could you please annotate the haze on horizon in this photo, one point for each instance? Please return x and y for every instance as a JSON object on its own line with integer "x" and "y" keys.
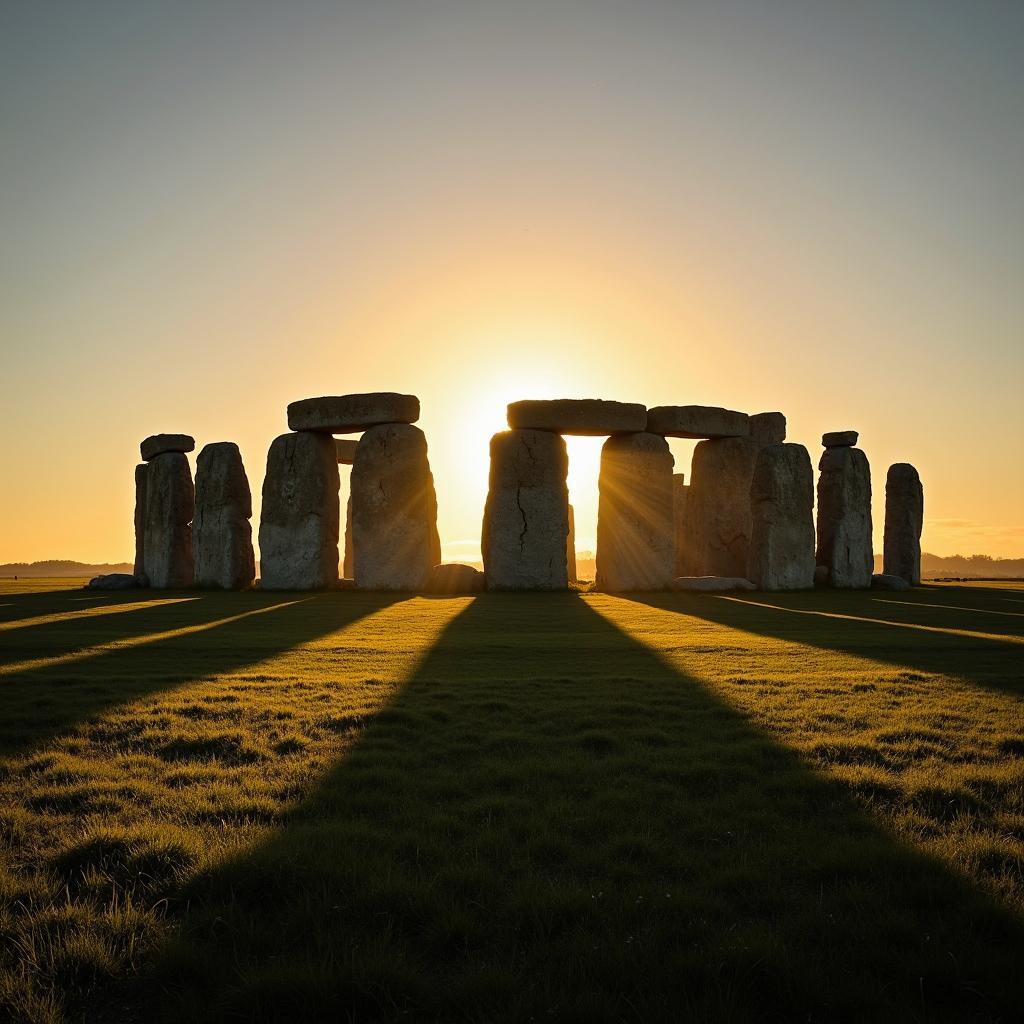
{"x": 212, "y": 209}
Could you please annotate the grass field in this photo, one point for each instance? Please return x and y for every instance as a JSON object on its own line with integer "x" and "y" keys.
{"x": 285, "y": 807}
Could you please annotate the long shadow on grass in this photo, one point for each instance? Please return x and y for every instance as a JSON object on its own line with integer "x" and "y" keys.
{"x": 220, "y": 633}
{"x": 890, "y": 637}
{"x": 551, "y": 823}
{"x": 14, "y": 607}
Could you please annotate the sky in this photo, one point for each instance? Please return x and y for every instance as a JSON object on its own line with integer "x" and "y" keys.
{"x": 208, "y": 210}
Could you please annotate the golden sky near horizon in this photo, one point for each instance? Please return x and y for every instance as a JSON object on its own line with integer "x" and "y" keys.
{"x": 212, "y": 210}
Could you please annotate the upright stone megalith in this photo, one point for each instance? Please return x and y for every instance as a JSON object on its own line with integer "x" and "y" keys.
{"x": 781, "y": 551}
{"x": 844, "y": 518}
{"x": 570, "y": 548}
{"x": 718, "y": 507}
{"x": 299, "y": 519}
{"x": 526, "y": 518}
{"x": 170, "y": 502}
{"x": 904, "y": 518}
{"x": 394, "y": 510}
{"x": 140, "y": 521}
{"x": 635, "y": 525}
{"x": 680, "y": 493}
{"x": 348, "y": 559}
{"x": 222, "y": 533}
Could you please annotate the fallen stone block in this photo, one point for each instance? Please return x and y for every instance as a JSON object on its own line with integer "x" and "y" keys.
{"x": 159, "y": 444}
{"x": 697, "y": 421}
{"x": 351, "y": 414}
{"x": 114, "y": 581}
{"x": 886, "y": 581}
{"x": 582, "y": 416}
{"x": 454, "y": 578}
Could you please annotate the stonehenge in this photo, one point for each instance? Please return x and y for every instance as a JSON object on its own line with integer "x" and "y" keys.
{"x": 744, "y": 521}
{"x": 394, "y": 509}
{"x": 299, "y": 519}
{"x": 169, "y": 505}
{"x": 221, "y": 532}
{"x": 781, "y": 550}
{"x": 904, "y": 518}
{"x": 635, "y": 524}
{"x": 844, "y": 513}
{"x": 526, "y": 518}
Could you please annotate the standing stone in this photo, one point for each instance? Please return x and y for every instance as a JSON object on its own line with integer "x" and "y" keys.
{"x": 170, "y": 502}
{"x": 680, "y": 491}
{"x": 140, "y": 522}
{"x": 718, "y": 507}
{"x": 346, "y": 448}
{"x": 526, "y": 518}
{"x": 904, "y": 518}
{"x": 570, "y": 548}
{"x": 844, "y": 518}
{"x": 349, "y": 564}
{"x": 299, "y": 519}
{"x": 635, "y": 527}
{"x": 222, "y": 533}
{"x": 394, "y": 510}
{"x": 781, "y": 552}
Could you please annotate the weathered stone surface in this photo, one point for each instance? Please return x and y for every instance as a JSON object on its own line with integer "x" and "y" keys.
{"x": 170, "y": 503}
{"x": 635, "y": 527}
{"x": 454, "y": 578}
{"x": 680, "y": 491}
{"x": 394, "y": 510}
{"x": 718, "y": 506}
{"x": 585, "y": 416}
{"x": 885, "y": 581}
{"x": 768, "y": 428}
{"x": 158, "y": 444}
{"x": 844, "y": 518}
{"x": 705, "y": 421}
{"x": 140, "y": 519}
{"x": 781, "y": 551}
{"x": 221, "y": 532}
{"x": 821, "y": 575}
{"x": 526, "y": 519}
{"x": 299, "y": 518}
{"x": 904, "y": 518}
{"x": 839, "y": 439}
{"x": 349, "y": 561}
{"x": 712, "y": 584}
{"x": 350, "y": 414}
{"x": 114, "y": 581}
{"x": 346, "y": 448}
{"x": 570, "y": 548}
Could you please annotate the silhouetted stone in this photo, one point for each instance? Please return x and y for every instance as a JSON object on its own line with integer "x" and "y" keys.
{"x": 570, "y": 548}
{"x": 821, "y": 575}
{"x": 526, "y": 518}
{"x": 159, "y": 444}
{"x": 349, "y": 562}
{"x": 635, "y": 527}
{"x": 394, "y": 510}
{"x": 454, "y": 578}
{"x": 680, "y": 492}
{"x": 844, "y": 518}
{"x": 697, "y": 421}
{"x": 584, "y": 416}
{"x": 170, "y": 503}
{"x": 718, "y": 506}
{"x": 839, "y": 439}
{"x": 768, "y": 428}
{"x": 114, "y": 581}
{"x": 350, "y": 414}
{"x": 222, "y": 534}
{"x": 781, "y": 551}
{"x": 346, "y": 449}
{"x": 904, "y": 518}
{"x": 711, "y": 584}
{"x": 885, "y": 581}
{"x": 299, "y": 518}
{"x": 140, "y": 520}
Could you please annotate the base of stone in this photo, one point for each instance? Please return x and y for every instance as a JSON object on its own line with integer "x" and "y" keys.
{"x": 711, "y": 584}
{"x": 886, "y": 581}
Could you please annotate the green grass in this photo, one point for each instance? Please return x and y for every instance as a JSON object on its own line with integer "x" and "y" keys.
{"x": 516, "y": 807}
